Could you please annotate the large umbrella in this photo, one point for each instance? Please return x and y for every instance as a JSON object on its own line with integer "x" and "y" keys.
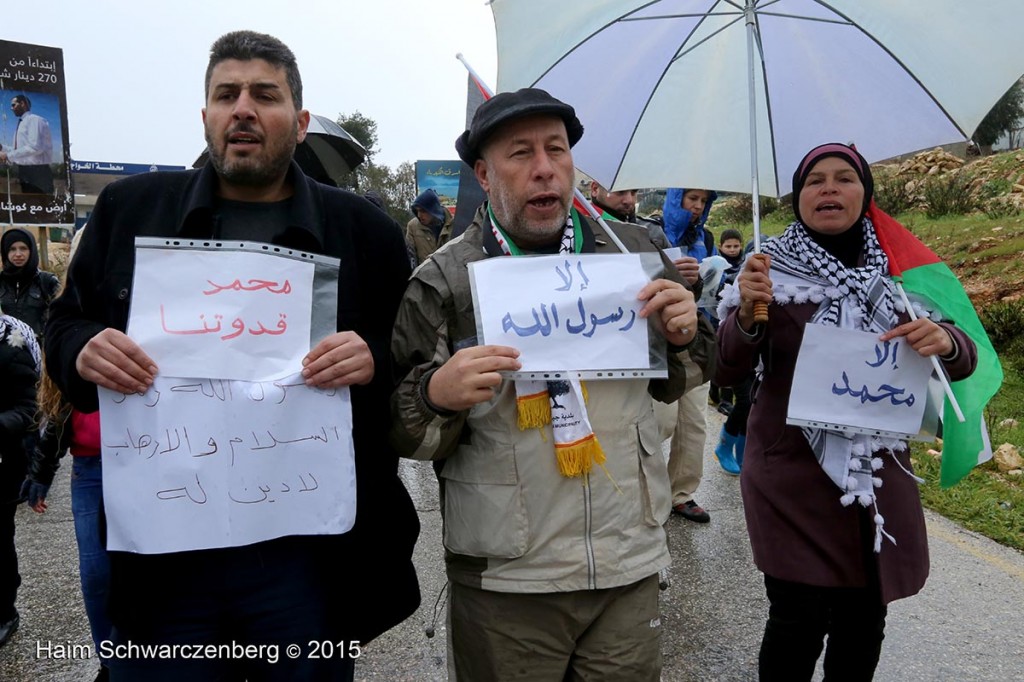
{"x": 729, "y": 94}
{"x": 327, "y": 154}
{"x": 668, "y": 89}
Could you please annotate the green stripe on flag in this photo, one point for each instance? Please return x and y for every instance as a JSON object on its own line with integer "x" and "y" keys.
{"x": 963, "y": 444}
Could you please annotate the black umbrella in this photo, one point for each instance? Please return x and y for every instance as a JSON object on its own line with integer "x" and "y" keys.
{"x": 327, "y": 154}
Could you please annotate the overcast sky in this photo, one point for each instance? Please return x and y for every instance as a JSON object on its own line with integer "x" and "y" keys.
{"x": 135, "y": 68}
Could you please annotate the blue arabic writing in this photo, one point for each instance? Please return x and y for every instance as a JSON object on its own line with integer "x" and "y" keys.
{"x": 884, "y": 391}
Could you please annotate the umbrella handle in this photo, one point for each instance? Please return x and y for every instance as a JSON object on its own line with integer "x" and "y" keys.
{"x": 760, "y": 307}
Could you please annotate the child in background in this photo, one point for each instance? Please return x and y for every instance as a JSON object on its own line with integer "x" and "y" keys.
{"x": 733, "y": 437}
{"x": 730, "y": 247}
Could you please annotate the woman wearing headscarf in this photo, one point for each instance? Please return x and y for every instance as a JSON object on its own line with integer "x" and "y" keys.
{"x": 25, "y": 290}
{"x": 19, "y": 370}
{"x": 818, "y": 537}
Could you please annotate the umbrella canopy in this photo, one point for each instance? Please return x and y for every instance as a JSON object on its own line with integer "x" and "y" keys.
{"x": 327, "y": 154}
{"x": 663, "y": 87}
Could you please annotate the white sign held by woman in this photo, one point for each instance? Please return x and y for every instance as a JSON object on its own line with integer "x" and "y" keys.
{"x": 848, "y": 380}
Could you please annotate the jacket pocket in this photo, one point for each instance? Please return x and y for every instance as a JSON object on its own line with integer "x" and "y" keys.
{"x": 484, "y": 511}
{"x": 655, "y": 487}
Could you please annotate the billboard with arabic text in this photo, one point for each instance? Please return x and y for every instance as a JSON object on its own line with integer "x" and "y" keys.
{"x": 35, "y": 176}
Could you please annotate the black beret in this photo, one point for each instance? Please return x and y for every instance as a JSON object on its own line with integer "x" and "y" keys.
{"x": 508, "y": 106}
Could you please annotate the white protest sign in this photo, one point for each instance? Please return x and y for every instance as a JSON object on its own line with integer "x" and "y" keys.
{"x": 848, "y": 380}
{"x": 566, "y": 312}
{"x": 711, "y": 271}
{"x": 203, "y": 463}
{"x": 212, "y": 313}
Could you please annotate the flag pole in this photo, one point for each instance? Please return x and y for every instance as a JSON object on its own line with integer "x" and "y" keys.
{"x": 488, "y": 93}
{"x": 939, "y": 370}
{"x": 577, "y": 194}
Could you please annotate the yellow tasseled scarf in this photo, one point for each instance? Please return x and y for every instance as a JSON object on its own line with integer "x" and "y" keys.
{"x": 563, "y": 405}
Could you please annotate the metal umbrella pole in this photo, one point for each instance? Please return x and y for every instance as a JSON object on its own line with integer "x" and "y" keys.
{"x": 755, "y": 193}
{"x": 760, "y": 308}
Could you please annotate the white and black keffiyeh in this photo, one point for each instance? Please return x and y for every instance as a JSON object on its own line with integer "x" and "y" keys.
{"x": 866, "y": 293}
{"x": 16, "y": 333}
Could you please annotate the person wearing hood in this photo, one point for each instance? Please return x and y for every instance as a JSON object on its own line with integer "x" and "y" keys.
{"x": 685, "y": 214}
{"x": 25, "y": 290}
{"x": 430, "y": 227}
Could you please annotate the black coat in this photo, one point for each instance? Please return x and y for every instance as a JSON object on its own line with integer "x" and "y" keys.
{"x": 376, "y": 581}
{"x": 17, "y": 410}
{"x": 798, "y": 529}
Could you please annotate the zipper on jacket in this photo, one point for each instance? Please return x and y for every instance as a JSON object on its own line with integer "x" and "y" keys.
{"x": 588, "y": 530}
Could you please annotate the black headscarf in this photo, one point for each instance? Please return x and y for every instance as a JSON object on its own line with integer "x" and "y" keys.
{"x": 845, "y": 246}
{"x": 31, "y": 267}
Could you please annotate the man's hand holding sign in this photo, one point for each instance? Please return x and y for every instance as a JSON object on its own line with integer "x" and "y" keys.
{"x": 675, "y": 309}
{"x": 112, "y": 360}
{"x": 342, "y": 359}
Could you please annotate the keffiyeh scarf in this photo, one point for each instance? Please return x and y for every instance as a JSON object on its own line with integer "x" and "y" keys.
{"x": 862, "y": 298}
{"x": 561, "y": 403}
{"x": 16, "y": 333}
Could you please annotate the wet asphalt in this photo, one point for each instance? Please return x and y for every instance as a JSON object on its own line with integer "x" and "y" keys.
{"x": 966, "y": 625}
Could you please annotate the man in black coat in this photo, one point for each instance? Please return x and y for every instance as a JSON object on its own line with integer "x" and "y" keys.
{"x": 293, "y": 590}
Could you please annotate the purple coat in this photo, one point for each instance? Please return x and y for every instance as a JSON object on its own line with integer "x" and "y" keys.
{"x": 798, "y": 529}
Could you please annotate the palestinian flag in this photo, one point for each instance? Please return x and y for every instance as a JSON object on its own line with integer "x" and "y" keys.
{"x": 922, "y": 273}
{"x": 471, "y": 194}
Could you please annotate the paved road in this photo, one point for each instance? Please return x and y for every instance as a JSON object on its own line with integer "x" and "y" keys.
{"x": 965, "y": 625}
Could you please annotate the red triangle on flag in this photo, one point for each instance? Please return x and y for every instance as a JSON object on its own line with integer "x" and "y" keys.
{"x": 905, "y": 251}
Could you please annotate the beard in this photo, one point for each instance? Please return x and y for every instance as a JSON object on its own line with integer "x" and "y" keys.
{"x": 511, "y": 214}
{"x": 256, "y": 170}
